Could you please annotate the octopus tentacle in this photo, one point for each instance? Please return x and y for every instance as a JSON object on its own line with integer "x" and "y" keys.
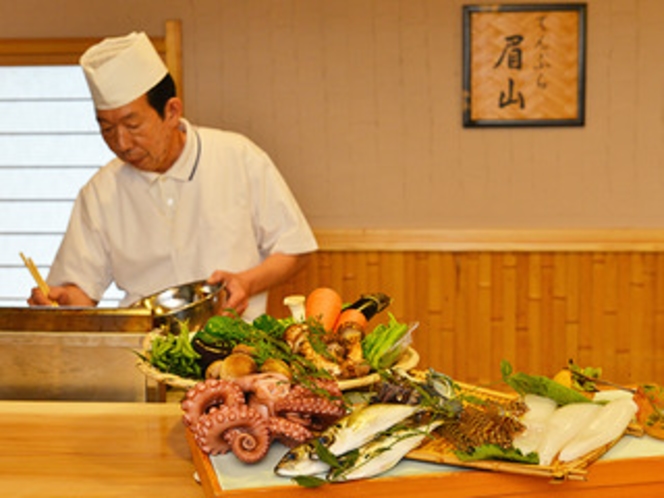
{"x": 204, "y": 395}
{"x": 239, "y": 428}
{"x": 315, "y": 413}
{"x": 288, "y": 432}
{"x": 319, "y": 387}
{"x": 305, "y": 406}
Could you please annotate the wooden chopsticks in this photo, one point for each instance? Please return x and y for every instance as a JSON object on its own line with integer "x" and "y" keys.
{"x": 41, "y": 283}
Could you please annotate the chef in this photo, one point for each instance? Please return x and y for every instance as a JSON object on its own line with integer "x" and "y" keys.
{"x": 179, "y": 203}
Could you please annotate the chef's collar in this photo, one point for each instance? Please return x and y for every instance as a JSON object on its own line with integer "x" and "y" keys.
{"x": 184, "y": 166}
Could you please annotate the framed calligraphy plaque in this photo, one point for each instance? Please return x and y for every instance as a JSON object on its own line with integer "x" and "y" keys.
{"x": 524, "y": 65}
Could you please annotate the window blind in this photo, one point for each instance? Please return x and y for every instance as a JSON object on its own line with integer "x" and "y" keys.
{"x": 49, "y": 147}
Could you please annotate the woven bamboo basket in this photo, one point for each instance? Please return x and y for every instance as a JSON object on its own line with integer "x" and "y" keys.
{"x": 168, "y": 379}
{"x": 408, "y": 361}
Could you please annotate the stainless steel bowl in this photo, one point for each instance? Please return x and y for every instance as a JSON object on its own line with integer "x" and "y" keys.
{"x": 193, "y": 303}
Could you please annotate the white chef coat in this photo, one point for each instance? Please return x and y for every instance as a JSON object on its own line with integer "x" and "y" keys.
{"x": 222, "y": 205}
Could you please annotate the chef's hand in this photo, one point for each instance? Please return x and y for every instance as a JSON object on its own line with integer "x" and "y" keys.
{"x": 56, "y": 295}
{"x": 274, "y": 270}
{"x": 237, "y": 292}
{"x": 66, "y": 295}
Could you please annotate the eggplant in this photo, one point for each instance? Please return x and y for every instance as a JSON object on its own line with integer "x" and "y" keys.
{"x": 209, "y": 352}
{"x": 371, "y": 304}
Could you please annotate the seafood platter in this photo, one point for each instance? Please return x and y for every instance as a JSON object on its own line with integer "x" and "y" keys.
{"x": 323, "y": 398}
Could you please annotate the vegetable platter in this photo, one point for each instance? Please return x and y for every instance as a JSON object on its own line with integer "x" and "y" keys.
{"x": 321, "y": 336}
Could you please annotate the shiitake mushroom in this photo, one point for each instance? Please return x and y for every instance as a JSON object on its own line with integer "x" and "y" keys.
{"x": 276, "y": 365}
{"x": 233, "y": 366}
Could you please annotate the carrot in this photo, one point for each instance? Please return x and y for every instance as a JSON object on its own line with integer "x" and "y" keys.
{"x": 352, "y": 317}
{"x": 324, "y": 304}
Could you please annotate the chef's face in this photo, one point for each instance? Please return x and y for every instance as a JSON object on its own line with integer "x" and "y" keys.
{"x": 138, "y": 135}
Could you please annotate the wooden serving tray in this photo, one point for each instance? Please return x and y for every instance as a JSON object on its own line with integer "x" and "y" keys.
{"x": 607, "y": 479}
{"x": 444, "y": 468}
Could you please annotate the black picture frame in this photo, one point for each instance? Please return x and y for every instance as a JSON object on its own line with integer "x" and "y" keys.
{"x": 524, "y": 65}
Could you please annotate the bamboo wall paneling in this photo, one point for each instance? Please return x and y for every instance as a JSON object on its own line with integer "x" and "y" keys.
{"x": 584, "y": 308}
{"x": 650, "y": 342}
{"x": 548, "y": 335}
{"x": 549, "y": 344}
{"x": 622, "y": 360}
{"x": 597, "y": 332}
{"x": 611, "y": 330}
{"x": 506, "y": 304}
{"x": 659, "y": 320}
{"x": 440, "y": 315}
{"x": 635, "y": 304}
{"x": 534, "y": 325}
{"x": 559, "y": 304}
{"x": 437, "y": 340}
{"x": 534, "y": 309}
{"x": 643, "y": 339}
{"x": 469, "y": 310}
{"x": 570, "y": 294}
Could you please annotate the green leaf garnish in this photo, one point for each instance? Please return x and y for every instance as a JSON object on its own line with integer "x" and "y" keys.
{"x": 309, "y": 481}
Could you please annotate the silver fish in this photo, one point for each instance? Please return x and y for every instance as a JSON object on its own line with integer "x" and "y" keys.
{"x": 303, "y": 460}
{"x": 383, "y": 453}
{"x": 349, "y": 433}
{"x": 361, "y": 426}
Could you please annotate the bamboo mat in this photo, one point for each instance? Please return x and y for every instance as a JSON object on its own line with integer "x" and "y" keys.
{"x": 441, "y": 451}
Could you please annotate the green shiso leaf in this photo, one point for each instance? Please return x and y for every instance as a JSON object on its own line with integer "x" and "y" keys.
{"x": 495, "y": 452}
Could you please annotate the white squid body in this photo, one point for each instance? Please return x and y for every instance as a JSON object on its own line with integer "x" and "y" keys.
{"x": 609, "y": 424}
{"x": 562, "y": 426}
{"x": 535, "y": 419}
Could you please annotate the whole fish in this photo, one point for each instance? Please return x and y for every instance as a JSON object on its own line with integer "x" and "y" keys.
{"x": 303, "y": 460}
{"x": 382, "y": 453}
{"x": 349, "y": 433}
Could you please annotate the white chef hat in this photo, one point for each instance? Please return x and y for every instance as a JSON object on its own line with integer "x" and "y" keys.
{"x": 121, "y": 69}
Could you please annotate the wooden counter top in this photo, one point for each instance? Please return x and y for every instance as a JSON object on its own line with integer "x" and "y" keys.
{"x": 84, "y": 449}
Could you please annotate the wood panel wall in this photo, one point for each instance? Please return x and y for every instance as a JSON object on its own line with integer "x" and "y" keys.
{"x": 535, "y": 308}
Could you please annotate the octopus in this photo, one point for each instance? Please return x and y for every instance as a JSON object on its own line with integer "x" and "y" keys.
{"x": 245, "y": 415}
